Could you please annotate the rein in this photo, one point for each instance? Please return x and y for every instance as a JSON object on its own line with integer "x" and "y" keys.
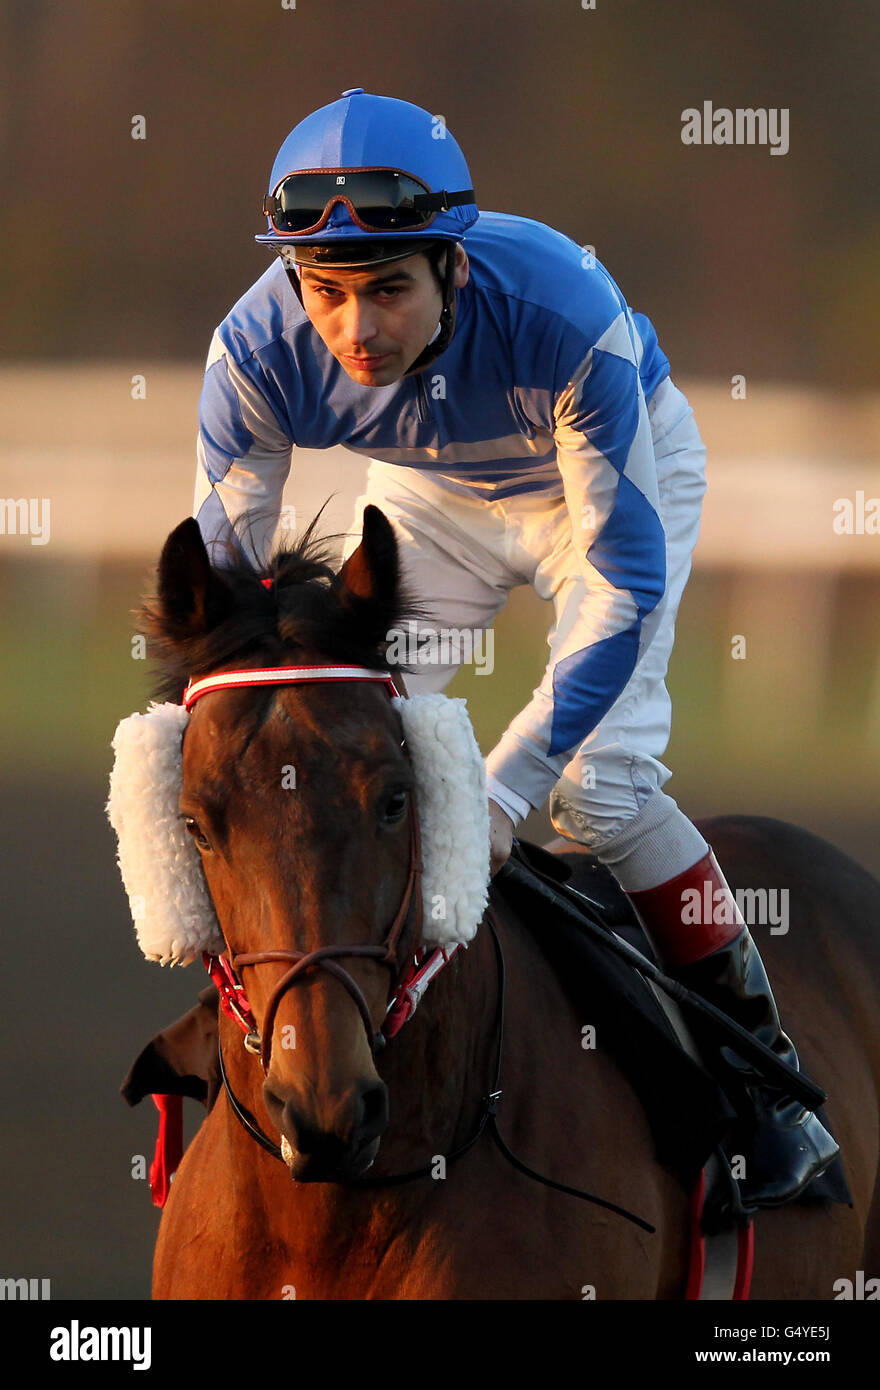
{"x": 488, "y": 1117}
{"x": 235, "y": 1004}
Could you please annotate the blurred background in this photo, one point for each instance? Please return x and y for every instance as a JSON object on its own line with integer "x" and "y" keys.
{"x": 118, "y": 256}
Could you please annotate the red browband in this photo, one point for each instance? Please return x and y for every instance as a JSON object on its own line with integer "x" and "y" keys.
{"x": 283, "y": 675}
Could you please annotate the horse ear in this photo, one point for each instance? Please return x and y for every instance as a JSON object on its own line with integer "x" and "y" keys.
{"x": 373, "y": 570}
{"x": 193, "y": 598}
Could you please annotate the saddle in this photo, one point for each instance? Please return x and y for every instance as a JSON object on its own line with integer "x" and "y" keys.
{"x": 689, "y": 1114}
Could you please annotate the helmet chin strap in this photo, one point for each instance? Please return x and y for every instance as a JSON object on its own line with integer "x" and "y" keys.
{"x": 294, "y": 280}
{"x": 446, "y": 327}
{"x": 441, "y": 339}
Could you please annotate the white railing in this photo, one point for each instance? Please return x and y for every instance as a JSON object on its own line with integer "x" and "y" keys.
{"x": 118, "y": 468}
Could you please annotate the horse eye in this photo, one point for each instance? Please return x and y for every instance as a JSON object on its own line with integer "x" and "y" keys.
{"x": 192, "y": 827}
{"x": 395, "y": 807}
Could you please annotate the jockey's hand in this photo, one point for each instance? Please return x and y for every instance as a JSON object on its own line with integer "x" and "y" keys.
{"x": 500, "y": 837}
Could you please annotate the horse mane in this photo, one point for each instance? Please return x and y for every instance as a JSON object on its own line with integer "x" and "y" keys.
{"x": 307, "y": 608}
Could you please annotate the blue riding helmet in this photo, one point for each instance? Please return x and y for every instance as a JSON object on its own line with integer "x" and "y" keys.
{"x": 367, "y": 180}
{"x": 369, "y": 137}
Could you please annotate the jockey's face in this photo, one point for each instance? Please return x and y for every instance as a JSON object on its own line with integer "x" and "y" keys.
{"x": 376, "y": 321}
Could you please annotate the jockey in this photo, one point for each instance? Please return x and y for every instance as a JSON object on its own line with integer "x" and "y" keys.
{"x": 522, "y": 428}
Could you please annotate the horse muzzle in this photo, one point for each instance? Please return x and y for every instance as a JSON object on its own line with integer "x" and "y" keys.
{"x": 337, "y": 1145}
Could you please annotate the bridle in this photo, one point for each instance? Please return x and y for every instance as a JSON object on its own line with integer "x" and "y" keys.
{"x": 324, "y": 957}
{"x": 234, "y": 1002}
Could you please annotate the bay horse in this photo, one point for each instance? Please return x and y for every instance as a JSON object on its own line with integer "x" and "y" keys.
{"x": 329, "y": 864}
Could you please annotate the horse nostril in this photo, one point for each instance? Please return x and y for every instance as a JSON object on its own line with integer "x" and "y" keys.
{"x": 271, "y": 1099}
{"x": 374, "y": 1110}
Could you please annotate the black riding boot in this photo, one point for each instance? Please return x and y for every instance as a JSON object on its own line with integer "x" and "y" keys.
{"x": 783, "y": 1145}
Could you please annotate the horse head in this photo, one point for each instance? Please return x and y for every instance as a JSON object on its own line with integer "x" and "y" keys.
{"x": 299, "y": 798}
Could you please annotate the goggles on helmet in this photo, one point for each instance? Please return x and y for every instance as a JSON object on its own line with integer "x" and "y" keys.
{"x": 378, "y": 200}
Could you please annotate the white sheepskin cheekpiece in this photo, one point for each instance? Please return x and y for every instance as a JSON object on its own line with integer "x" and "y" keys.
{"x": 170, "y": 905}
{"x": 453, "y": 814}
{"x": 161, "y": 868}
